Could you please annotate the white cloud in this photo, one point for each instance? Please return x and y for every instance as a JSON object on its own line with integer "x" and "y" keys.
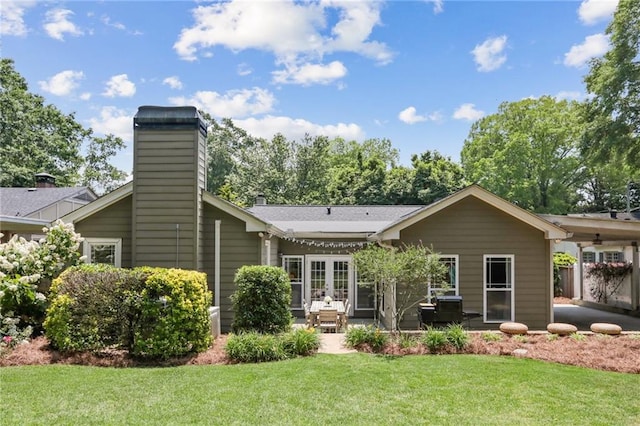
{"x": 244, "y": 69}
{"x": 569, "y": 95}
{"x": 107, "y": 21}
{"x": 409, "y": 116}
{"x": 12, "y": 22}
{"x": 468, "y": 112}
{"x": 57, "y": 24}
{"x": 580, "y": 54}
{"x": 85, "y": 96}
{"x": 489, "y": 55}
{"x": 119, "y": 86}
{"x": 308, "y": 74}
{"x": 113, "y": 121}
{"x": 63, "y": 83}
{"x": 296, "y": 129}
{"x": 234, "y": 103}
{"x": 173, "y": 82}
{"x": 303, "y": 38}
{"x": 438, "y": 5}
{"x": 593, "y": 11}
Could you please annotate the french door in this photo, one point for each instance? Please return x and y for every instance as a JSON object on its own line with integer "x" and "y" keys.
{"x": 329, "y": 276}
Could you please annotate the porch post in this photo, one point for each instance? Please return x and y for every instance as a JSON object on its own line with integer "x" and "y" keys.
{"x": 580, "y": 272}
{"x": 635, "y": 277}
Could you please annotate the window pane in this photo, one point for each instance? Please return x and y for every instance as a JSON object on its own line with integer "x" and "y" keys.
{"x": 498, "y": 272}
{"x": 103, "y": 253}
{"x": 499, "y": 305}
{"x": 365, "y": 297}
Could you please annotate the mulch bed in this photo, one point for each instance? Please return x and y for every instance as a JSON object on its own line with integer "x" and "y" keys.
{"x": 611, "y": 353}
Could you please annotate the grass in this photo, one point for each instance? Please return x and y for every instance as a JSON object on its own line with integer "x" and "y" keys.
{"x": 324, "y": 389}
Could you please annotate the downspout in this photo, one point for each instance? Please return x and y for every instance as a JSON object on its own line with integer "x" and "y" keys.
{"x": 216, "y": 274}
{"x": 580, "y": 271}
{"x": 635, "y": 276}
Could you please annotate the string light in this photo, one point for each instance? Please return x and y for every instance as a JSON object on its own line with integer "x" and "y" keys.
{"x": 327, "y": 244}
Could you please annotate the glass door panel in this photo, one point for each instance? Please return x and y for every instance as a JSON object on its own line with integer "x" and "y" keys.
{"x": 340, "y": 280}
{"x": 318, "y": 279}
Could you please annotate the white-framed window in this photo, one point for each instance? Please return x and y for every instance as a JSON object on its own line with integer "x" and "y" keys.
{"x": 103, "y": 250}
{"x": 612, "y": 256}
{"x": 294, "y": 266}
{"x": 499, "y": 277}
{"x": 452, "y": 262}
{"x": 588, "y": 257}
{"x": 365, "y": 295}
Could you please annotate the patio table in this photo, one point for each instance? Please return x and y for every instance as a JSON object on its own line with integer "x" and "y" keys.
{"x": 319, "y": 304}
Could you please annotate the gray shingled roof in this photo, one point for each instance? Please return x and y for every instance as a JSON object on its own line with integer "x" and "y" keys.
{"x": 353, "y": 219}
{"x": 24, "y": 201}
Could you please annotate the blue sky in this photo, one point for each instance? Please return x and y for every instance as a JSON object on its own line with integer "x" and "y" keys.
{"x": 416, "y": 72}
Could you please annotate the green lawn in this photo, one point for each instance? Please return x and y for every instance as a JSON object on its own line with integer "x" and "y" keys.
{"x": 324, "y": 389}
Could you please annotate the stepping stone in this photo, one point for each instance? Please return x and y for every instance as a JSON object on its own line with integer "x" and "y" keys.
{"x": 606, "y": 328}
{"x": 513, "y": 328}
{"x": 561, "y": 329}
{"x": 519, "y": 353}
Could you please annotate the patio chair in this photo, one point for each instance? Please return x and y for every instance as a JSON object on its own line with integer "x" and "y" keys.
{"x": 308, "y": 316}
{"x": 344, "y": 318}
{"x": 328, "y": 320}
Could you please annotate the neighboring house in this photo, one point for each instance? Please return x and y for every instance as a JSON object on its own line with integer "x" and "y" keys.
{"x": 25, "y": 211}
{"x": 499, "y": 255}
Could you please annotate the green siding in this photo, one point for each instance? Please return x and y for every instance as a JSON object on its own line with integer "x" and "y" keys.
{"x": 237, "y": 248}
{"x": 167, "y": 197}
{"x": 471, "y": 229}
{"x": 111, "y": 222}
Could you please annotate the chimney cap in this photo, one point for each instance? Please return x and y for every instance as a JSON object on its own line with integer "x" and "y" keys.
{"x": 45, "y": 180}
{"x": 261, "y": 200}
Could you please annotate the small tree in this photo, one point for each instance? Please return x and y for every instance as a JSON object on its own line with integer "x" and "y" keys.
{"x": 404, "y": 273}
{"x": 262, "y": 300}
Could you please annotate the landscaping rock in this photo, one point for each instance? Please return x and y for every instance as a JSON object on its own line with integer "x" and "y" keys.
{"x": 561, "y": 329}
{"x": 519, "y": 353}
{"x": 606, "y": 328}
{"x": 513, "y": 328}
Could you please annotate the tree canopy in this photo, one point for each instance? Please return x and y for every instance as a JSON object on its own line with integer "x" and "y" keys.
{"x": 37, "y": 137}
{"x": 528, "y": 154}
{"x": 613, "y": 112}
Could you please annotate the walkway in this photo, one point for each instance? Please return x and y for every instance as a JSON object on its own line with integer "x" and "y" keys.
{"x": 582, "y": 317}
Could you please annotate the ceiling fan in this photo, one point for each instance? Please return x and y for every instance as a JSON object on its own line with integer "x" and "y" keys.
{"x": 597, "y": 241}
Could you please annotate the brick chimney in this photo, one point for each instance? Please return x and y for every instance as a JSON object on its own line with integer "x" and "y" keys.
{"x": 45, "y": 180}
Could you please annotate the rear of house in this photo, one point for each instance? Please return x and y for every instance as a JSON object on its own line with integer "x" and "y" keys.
{"x": 498, "y": 254}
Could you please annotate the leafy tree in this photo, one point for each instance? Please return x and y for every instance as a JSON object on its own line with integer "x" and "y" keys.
{"x": 402, "y": 274}
{"x": 528, "y": 154}
{"x": 607, "y": 185}
{"x": 99, "y": 173}
{"x": 35, "y": 137}
{"x": 613, "y": 113}
{"x": 398, "y": 186}
{"x": 436, "y": 177}
{"x": 312, "y": 170}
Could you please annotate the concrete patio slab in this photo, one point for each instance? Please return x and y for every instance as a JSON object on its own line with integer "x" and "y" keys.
{"x": 582, "y": 317}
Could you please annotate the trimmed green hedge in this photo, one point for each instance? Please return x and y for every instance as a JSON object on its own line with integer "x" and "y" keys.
{"x": 152, "y": 312}
{"x": 262, "y": 300}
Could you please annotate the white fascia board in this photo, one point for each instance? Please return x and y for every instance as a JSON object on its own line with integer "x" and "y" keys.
{"x": 252, "y": 223}
{"x": 550, "y": 230}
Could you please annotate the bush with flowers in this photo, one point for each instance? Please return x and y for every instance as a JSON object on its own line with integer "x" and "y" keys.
{"x": 26, "y": 266}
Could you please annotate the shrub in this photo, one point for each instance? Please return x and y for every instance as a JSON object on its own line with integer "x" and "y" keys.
{"x": 491, "y": 337}
{"x": 88, "y": 309}
{"x": 301, "y": 342}
{"x": 457, "y": 336}
{"x": 152, "y": 312}
{"x": 262, "y": 300}
{"x": 26, "y": 266}
{"x": 256, "y": 347}
{"x": 434, "y": 339}
{"x": 372, "y": 336}
{"x": 173, "y": 318}
{"x": 578, "y": 337}
{"x": 406, "y": 340}
{"x": 552, "y": 337}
